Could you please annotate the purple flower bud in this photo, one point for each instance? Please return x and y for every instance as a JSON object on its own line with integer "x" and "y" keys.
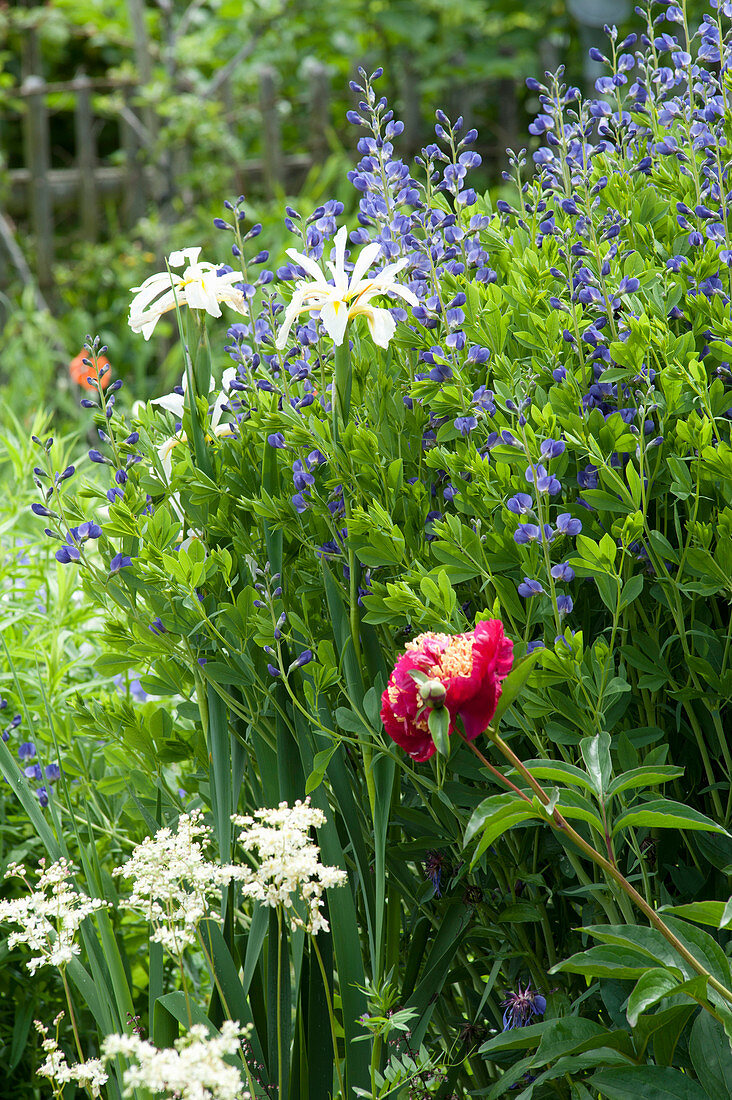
{"x": 277, "y": 440}
{"x": 529, "y": 588}
{"x": 565, "y": 604}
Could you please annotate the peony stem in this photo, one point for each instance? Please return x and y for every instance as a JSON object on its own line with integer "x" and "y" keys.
{"x": 560, "y": 823}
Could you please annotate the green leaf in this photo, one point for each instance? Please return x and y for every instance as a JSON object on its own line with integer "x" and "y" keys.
{"x": 496, "y": 814}
{"x": 631, "y": 591}
{"x": 596, "y": 755}
{"x": 650, "y": 988}
{"x": 514, "y": 682}
{"x": 701, "y": 912}
{"x": 320, "y": 766}
{"x": 649, "y": 1082}
{"x": 664, "y": 814}
{"x": 644, "y": 777}
{"x": 439, "y": 726}
{"x": 605, "y": 961}
{"x": 711, "y": 1056}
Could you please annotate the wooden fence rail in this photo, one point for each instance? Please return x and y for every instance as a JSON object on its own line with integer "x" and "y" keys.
{"x": 144, "y": 175}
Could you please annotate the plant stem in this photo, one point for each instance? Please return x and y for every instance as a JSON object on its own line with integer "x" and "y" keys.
{"x": 72, "y": 1015}
{"x": 331, "y": 1016}
{"x": 558, "y": 822}
{"x": 279, "y": 1002}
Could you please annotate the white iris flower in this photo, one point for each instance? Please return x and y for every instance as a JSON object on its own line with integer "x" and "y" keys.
{"x": 198, "y": 287}
{"x": 344, "y": 299}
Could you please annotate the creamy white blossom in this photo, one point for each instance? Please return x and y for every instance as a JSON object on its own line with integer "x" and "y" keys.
{"x": 199, "y": 287}
{"x": 174, "y": 885}
{"x": 175, "y": 403}
{"x": 193, "y": 1069}
{"x": 90, "y": 1074}
{"x": 345, "y": 298}
{"x": 48, "y": 917}
{"x": 289, "y": 866}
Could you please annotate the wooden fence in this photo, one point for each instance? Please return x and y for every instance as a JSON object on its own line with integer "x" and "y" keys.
{"x": 38, "y": 192}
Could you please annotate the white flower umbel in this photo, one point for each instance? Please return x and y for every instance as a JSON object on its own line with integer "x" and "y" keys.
{"x": 49, "y": 917}
{"x": 198, "y": 287}
{"x": 173, "y": 884}
{"x": 289, "y": 864}
{"x": 345, "y": 298}
{"x": 89, "y": 1075}
{"x": 193, "y": 1069}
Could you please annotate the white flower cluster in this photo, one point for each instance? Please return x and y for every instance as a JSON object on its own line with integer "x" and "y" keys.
{"x": 173, "y": 884}
{"x": 194, "y": 1069}
{"x": 289, "y": 864}
{"x": 89, "y": 1075}
{"x": 49, "y": 916}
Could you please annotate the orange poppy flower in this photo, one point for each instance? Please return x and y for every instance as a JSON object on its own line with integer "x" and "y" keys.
{"x": 80, "y": 372}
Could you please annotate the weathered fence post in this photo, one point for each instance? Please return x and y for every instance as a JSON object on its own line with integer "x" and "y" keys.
{"x": 135, "y": 193}
{"x": 38, "y": 159}
{"x": 318, "y": 111}
{"x": 86, "y": 157}
{"x": 271, "y": 136}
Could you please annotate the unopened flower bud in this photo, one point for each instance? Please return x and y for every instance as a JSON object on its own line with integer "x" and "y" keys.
{"x": 433, "y": 693}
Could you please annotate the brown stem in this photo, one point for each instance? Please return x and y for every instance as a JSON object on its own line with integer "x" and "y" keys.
{"x": 472, "y": 745}
{"x": 560, "y": 823}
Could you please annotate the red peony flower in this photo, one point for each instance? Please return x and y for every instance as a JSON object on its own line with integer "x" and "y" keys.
{"x": 469, "y": 666}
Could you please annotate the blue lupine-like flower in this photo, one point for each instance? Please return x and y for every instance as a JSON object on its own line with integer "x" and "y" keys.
{"x": 520, "y": 504}
{"x": 33, "y": 771}
{"x": 552, "y": 448}
{"x": 537, "y": 644}
{"x": 562, "y": 572}
{"x": 119, "y": 561}
{"x": 529, "y": 587}
{"x": 544, "y": 482}
{"x": 27, "y": 750}
{"x": 465, "y": 424}
{"x": 76, "y": 537}
{"x": 526, "y": 533}
{"x": 53, "y": 772}
{"x": 276, "y": 440}
{"x": 568, "y": 525}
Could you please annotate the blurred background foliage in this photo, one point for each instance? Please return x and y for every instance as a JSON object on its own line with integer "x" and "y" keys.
{"x": 177, "y": 88}
{"x": 191, "y": 74}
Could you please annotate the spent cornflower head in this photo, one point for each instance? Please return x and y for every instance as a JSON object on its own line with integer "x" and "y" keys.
{"x": 194, "y": 1068}
{"x": 48, "y": 917}
{"x": 522, "y": 1007}
{"x": 288, "y": 862}
{"x": 89, "y": 1074}
{"x": 174, "y": 885}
